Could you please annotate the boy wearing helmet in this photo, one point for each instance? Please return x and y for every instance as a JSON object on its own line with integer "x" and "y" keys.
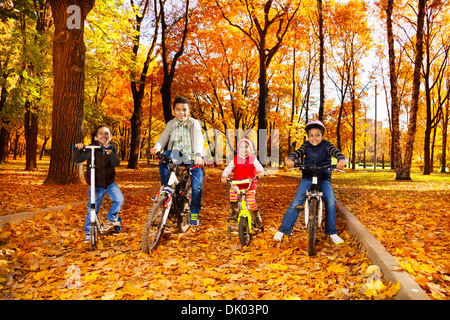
{"x": 317, "y": 152}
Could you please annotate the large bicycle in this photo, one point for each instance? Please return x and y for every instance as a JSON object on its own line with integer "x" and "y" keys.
{"x": 97, "y": 226}
{"x": 313, "y": 207}
{"x": 245, "y": 223}
{"x": 172, "y": 204}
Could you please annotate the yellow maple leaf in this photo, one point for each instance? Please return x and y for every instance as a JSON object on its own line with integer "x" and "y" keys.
{"x": 392, "y": 290}
{"x": 428, "y": 268}
{"x": 336, "y": 268}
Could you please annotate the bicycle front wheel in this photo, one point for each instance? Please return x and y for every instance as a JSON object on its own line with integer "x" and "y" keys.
{"x": 245, "y": 236}
{"x": 184, "y": 218}
{"x": 153, "y": 226}
{"x": 93, "y": 237}
{"x": 312, "y": 226}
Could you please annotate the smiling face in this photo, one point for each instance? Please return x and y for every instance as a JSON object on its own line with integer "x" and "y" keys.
{"x": 181, "y": 111}
{"x": 315, "y": 136}
{"x": 103, "y": 136}
{"x": 244, "y": 149}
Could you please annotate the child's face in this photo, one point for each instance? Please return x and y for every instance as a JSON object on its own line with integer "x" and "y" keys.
{"x": 315, "y": 136}
{"x": 244, "y": 149}
{"x": 181, "y": 111}
{"x": 103, "y": 136}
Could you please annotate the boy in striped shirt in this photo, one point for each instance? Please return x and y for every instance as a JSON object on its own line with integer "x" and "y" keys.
{"x": 317, "y": 152}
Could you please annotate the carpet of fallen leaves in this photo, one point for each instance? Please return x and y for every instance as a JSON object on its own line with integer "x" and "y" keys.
{"x": 44, "y": 257}
{"x": 410, "y": 218}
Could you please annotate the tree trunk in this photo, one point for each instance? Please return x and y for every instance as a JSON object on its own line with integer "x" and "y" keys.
{"x": 412, "y": 126}
{"x": 263, "y": 107}
{"x": 169, "y": 68}
{"x": 138, "y": 86}
{"x": 396, "y": 145}
{"x": 68, "y": 93}
{"x": 321, "y": 60}
{"x": 445, "y": 121}
{"x": 31, "y": 134}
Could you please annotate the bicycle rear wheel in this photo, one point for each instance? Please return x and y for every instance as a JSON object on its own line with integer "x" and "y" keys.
{"x": 245, "y": 236}
{"x": 153, "y": 226}
{"x": 312, "y": 226}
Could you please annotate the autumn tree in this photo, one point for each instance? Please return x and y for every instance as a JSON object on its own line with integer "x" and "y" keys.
{"x": 265, "y": 23}
{"x": 34, "y": 108}
{"x": 321, "y": 58}
{"x": 437, "y": 48}
{"x": 350, "y": 40}
{"x": 395, "y": 106}
{"x": 405, "y": 172}
{"x": 138, "y": 82}
{"x": 68, "y": 93}
{"x": 173, "y": 39}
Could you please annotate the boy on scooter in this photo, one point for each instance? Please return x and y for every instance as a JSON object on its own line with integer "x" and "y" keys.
{"x": 105, "y": 162}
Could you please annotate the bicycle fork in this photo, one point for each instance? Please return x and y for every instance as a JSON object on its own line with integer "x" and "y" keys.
{"x": 244, "y": 213}
{"x": 319, "y": 198}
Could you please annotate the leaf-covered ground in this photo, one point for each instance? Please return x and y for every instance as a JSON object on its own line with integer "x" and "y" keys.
{"x": 44, "y": 257}
{"x": 410, "y": 218}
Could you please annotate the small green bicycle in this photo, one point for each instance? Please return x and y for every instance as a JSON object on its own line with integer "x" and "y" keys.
{"x": 245, "y": 222}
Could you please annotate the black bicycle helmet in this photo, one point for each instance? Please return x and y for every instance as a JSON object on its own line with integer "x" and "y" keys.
{"x": 315, "y": 124}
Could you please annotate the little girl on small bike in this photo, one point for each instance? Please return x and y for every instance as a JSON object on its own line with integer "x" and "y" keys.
{"x": 245, "y": 166}
{"x": 105, "y": 162}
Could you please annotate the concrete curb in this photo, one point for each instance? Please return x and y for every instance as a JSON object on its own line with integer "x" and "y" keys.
{"x": 18, "y": 217}
{"x": 409, "y": 290}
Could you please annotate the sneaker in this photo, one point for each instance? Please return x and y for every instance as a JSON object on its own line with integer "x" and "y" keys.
{"x": 336, "y": 239}
{"x": 193, "y": 221}
{"x": 258, "y": 220}
{"x": 278, "y": 236}
{"x": 110, "y": 224}
{"x": 154, "y": 198}
{"x": 87, "y": 238}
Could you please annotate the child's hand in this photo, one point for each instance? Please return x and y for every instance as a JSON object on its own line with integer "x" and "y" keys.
{"x": 340, "y": 165}
{"x": 224, "y": 179}
{"x": 199, "y": 161}
{"x": 289, "y": 163}
{"x": 79, "y": 146}
{"x": 153, "y": 151}
{"x": 260, "y": 174}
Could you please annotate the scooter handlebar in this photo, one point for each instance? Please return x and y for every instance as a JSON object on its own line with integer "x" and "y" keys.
{"x": 94, "y": 147}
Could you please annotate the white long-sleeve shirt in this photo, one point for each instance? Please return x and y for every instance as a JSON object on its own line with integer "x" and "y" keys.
{"x": 229, "y": 169}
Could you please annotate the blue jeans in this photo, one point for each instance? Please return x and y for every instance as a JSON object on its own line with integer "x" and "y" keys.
{"x": 116, "y": 197}
{"x": 196, "y": 183}
{"x": 291, "y": 215}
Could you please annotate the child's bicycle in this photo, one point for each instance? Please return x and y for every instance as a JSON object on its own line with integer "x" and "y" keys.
{"x": 172, "y": 202}
{"x": 245, "y": 222}
{"x": 96, "y": 225}
{"x": 313, "y": 205}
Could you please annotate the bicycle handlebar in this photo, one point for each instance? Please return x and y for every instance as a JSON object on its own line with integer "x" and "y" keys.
{"x": 302, "y": 166}
{"x": 162, "y": 157}
{"x": 94, "y": 147}
{"x": 236, "y": 182}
